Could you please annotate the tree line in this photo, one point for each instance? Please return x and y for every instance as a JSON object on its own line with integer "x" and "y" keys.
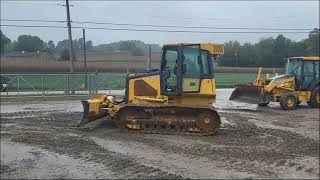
{"x": 29, "y": 43}
{"x": 268, "y": 52}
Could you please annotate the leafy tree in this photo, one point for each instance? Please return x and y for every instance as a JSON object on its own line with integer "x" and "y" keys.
{"x": 131, "y": 47}
{"x": 136, "y": 47}
{"x": 5, "y": 41}
{"x": 29, "y": 43}
{"x": 50, "y": 47}
{"x": 127, "y": 45}
{"x": 89, "y": 45}
{"x": 104, "y": 47}
{"x": 62, "y": 45}
{"x": 268, "y": 52}
{"x": 137, "y": 51}
{"x": 65, "y": 55}
{"x": 230, "y": 54}
{"x": 312, "y": 43}
{"x": 77, "y": 45}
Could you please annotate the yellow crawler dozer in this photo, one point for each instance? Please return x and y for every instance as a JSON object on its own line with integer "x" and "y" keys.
{"x": 177, "y": 98}
{"x": 300, "y": 83}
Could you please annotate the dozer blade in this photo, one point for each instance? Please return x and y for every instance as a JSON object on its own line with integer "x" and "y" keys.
{"x": 249, "y": 94}
{"x": 89, "y": 116}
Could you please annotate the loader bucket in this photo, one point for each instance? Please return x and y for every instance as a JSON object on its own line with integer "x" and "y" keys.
{"x": 249, "y": 94}
{"x": 89, "y": 116}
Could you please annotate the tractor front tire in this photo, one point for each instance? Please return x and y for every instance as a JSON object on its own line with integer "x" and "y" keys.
{"x": 288, "y": 101}
{"x": 315, "y": 98}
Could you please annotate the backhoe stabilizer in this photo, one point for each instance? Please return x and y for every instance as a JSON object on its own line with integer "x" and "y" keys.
{"x": 250, "y": 94}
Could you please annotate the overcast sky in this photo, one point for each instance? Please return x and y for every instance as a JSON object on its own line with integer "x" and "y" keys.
{"x": 228, "y": 14}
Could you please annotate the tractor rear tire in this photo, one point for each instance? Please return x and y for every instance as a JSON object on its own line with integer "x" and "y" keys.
{"x": 315, "y": 98}
{"x": 288, "y": 101}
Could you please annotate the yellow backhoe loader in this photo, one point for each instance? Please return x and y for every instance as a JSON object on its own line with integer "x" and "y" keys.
{"x": 300, "y": 83}
{"x": 177, "y": 98}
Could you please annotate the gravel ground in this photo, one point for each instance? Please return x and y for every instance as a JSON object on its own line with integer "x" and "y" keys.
{"x": 252, "y": 143}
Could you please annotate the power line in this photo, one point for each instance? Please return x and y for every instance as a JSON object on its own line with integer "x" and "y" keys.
{"x": 32, "y": 4}
{"x": 191, "y": 27}
{"x": 32, "y": 20}
{"x": 32, "y": 26}
{"x": 185, "y": 31}
{"x": 169, "y": 31}
{"x": 162, "y": 26}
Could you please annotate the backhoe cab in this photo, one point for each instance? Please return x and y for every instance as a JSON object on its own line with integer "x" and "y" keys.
{"x": 299, "y": 83}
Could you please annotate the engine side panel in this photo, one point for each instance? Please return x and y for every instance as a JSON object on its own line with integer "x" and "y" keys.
{"x": 146, "y": 90}
{"x": 150, "y": 88}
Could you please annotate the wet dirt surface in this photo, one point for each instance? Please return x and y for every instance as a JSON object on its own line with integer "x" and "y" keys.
{"x": 252, "y": 143}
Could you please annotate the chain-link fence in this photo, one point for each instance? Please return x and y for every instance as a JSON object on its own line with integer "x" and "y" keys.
{"x": 60, "y": 84}
{"x": 88, "y": 84}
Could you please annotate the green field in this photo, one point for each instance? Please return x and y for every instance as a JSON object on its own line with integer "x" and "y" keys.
{"x": 57, "y": 82}
{"x": 229, "y": 80}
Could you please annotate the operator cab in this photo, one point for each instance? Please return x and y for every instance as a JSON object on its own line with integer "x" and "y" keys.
{"x": 182, "y": 68}
{"x": 305, "y": 70}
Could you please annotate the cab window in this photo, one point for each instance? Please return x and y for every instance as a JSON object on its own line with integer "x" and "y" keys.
{"x": 191, "y": 62}
{"x": 317, "y": 69}
{"x": 294, "y": 68}
{"x": 205, "y": 60}
{"x": 308, "y": 68}
{"x": 171, "y": 57}
{"x": 308, "y": 74}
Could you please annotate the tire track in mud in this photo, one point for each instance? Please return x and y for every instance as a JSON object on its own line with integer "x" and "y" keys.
{"x": 245, "y": 150}
{"x": 20, "y": 161}
{"x": 65, "y": 140}
{"x": 170, "y": 162}
{"x": 240, "y": 149}
{"x": 122, "y": 166}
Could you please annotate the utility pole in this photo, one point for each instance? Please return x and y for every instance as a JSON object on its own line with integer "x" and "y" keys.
{"x": 236, "y": 56}
{"x": 71, "y": 51}
{"x": 85, "y": 56}
{"x": 149, "y": 59}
